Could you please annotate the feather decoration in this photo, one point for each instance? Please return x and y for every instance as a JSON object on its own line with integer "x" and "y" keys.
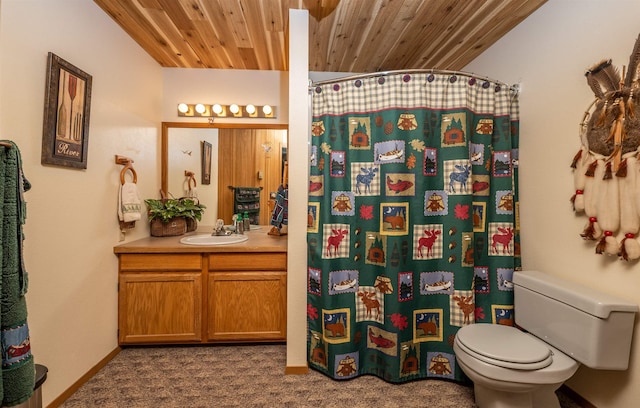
{"x": 607, "y": 172}
{"x": 601, "y": 246}
{"x": 622, "y": 169}
{"x": 594, "y": 85}
{"x": 613, "y": 75}
{"x": 606, "y": 74}
{"x": 631, "y": 107}
{"x": 629, "y": 219}
{"x": 577, "y": 157}
{"x": 591, "y": 169}
{"x": 607, "y": 187}
{"x": 634, "y": 59}
{"x": 637, "y": 186}
{"x": 608, "y": 211}
{"x": 607, "y": 244}
{"x": 629, "y": 248}
{"x": 579, "y": 179}
{"x": 592, "y": 231}
{"x": 603, "y": 114}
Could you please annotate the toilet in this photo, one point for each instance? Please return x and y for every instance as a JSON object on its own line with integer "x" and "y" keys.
{"x": 563, "y": 325}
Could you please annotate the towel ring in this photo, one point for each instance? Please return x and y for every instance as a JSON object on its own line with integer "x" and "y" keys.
{"x": 191, "y": 177}
{"x": 133, "y": 173}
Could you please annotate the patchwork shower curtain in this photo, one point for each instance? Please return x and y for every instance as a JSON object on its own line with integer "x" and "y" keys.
{"x": 412, "y": 220}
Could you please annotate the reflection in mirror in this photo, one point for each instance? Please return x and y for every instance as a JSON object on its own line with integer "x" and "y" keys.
{"x": 185, "y": 154}
{"x": 238, "y": 158}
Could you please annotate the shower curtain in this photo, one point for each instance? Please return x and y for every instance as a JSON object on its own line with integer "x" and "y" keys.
{"x": 412, "y": 220}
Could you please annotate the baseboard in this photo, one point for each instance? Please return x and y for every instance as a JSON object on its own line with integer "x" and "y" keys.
{"x": 289, "y": 370}
{"x": 86, "y": 377}
{"x": 577, "y": 398}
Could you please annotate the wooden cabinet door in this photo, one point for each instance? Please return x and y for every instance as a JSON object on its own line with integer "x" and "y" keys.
{"x": 160, "y": 307}
{"x": 247, "y": 305}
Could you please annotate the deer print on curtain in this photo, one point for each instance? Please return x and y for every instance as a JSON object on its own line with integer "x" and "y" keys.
{"x": 412, "y": 223}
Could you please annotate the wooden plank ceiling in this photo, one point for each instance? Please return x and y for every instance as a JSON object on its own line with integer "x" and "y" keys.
{"x": 345, "y": 35}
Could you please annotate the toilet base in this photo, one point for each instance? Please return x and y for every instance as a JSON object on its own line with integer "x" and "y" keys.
{"x": 542, "y": 397}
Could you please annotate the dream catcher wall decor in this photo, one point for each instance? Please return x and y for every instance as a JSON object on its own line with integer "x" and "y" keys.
{"x": 607, "y": 185}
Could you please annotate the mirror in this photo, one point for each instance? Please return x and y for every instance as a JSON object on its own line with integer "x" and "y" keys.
{"x": 242, "y": 155}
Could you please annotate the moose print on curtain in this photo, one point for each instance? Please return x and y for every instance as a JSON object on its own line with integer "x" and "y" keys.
{"x": 412, "y": 220}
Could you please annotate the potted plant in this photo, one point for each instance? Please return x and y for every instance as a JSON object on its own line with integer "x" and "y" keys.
{"x": 173, "y": 216}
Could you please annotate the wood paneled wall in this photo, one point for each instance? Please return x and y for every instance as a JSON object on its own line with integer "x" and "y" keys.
{"x": 243, "y": 155}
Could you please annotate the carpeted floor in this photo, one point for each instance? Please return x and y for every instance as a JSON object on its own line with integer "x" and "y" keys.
{"x": 248, "y": 376}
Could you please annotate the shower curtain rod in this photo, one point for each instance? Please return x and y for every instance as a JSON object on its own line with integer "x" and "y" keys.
{"x": 515, "y": 87}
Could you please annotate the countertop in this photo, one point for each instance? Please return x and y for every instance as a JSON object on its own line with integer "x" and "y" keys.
{"x": 259, "y": 241}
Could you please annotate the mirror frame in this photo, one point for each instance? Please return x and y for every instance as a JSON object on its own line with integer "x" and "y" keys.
{"x": 164, "y": 143}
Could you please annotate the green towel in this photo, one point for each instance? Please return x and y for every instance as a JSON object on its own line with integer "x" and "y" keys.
{"x": 18, "y": 368}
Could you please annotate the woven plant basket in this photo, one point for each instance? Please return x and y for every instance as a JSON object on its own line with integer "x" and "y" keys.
{"x": 192, "y": 224}
{"x": 173, "y": 227}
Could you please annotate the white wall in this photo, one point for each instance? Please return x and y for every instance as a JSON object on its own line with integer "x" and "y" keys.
{"x": 548, "y": 54}
{"x": 224, "y": 86}
{"x": 71, "y": 224}
{"x": 298, "y": 156}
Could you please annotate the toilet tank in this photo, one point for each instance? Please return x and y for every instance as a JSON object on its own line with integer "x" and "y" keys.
{"x": 592, "y": 327}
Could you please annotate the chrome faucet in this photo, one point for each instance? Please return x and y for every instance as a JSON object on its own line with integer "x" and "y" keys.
{"x": 218, "y": 229}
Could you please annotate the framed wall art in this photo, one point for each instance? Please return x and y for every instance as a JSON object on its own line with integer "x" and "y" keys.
{"x": 65, "y": 134}
{"x": 206, "y": 162}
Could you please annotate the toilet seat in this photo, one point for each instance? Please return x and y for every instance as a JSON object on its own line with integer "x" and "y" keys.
{"x": 504, "y": 346}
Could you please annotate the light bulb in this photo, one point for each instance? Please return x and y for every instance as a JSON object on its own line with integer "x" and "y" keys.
{"x": 251, "y": 109}
{"x": 234, "y": 108}
{"x": 217, "y": 109}
{"x": 183, "y": 108}
{"x": 200, "y": 108}
{"x": 266, "y": 109}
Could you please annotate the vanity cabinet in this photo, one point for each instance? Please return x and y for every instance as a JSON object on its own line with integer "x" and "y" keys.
{"x": 247, "y": 297}
{"x": 160, "y": 298}
{"x": 170, "y": 297}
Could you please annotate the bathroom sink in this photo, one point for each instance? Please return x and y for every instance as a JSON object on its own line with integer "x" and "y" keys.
{"x": 207, "y": 239}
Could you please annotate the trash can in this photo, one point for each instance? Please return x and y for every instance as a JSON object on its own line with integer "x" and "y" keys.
{"x": 36, "y": 399}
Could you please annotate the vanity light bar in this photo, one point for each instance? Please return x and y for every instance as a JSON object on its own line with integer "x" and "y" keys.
{"x": 226, "y": 111}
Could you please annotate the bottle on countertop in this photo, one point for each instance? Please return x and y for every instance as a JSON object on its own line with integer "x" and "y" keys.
{"x": 239, "y": 224}
{"x": 247, "y": 222}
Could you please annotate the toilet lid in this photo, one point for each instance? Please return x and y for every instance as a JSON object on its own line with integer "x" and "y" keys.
{"x": 504, "y": 346}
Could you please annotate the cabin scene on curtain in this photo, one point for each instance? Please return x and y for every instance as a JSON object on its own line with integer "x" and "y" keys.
{"x": 412, "y": 220}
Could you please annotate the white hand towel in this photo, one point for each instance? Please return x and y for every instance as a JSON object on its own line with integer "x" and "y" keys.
{"x": 129, "y": 203}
